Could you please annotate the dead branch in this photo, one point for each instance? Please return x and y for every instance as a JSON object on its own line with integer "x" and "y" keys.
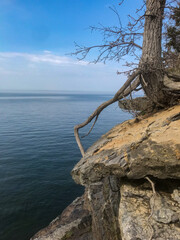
{"x": 117, "y": 14}
{"x": 122, "y": 92}
{"x": 138, "y": 89}
{"x": 118, "y": 41}
{"x": 112, "y": 50}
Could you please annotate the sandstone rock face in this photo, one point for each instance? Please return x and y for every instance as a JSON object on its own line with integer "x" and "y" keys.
{"x": 132, "y": 184}
{"x": 135, "y": 150}
{"x": 114, "y": 171}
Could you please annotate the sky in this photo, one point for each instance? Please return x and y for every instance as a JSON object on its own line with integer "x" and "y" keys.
{"x": 36, "y": 37}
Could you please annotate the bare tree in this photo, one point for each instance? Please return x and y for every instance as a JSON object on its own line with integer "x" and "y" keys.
{"x": 119, "y": 41}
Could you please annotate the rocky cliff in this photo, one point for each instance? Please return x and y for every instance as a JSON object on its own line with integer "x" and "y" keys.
{"x": 132, "y": 185}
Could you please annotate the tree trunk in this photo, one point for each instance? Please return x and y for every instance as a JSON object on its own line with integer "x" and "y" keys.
{"x": 151, "y": 62}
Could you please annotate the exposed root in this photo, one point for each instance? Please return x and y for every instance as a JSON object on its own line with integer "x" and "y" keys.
{"x": 125, "y": 90}
{"x": 154, "y": 193}
{"x": 174, "y": 77}
{"x": 91, "y": 127}
{"x": 152, "y": 185}
{"x": 129, "y": 86}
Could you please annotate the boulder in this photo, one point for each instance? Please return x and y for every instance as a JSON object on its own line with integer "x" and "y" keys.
{"x": 134, "y": 150}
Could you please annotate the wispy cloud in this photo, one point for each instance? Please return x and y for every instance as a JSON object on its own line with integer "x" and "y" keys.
{"x": 44, "y": 57}
{"x": 50, "y": 71}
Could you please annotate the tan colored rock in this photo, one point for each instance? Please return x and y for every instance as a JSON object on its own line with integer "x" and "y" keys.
{"x": 128, "y": 153}
{"x": 135, "y": 149}
{"x": 120, "y": 202}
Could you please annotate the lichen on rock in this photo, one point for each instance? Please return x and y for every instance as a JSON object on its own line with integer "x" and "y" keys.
{"x": 119, "y": 201}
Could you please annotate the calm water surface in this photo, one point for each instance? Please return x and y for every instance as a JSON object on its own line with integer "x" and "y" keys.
{"x": 37, "y": 153}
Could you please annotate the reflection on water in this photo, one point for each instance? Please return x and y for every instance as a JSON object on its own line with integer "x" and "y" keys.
{"x": 37, "y": 153}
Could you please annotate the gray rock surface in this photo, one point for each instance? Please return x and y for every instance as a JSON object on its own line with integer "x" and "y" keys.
{"x": 132, "y": 185}
{"x": 144, "y": 215}
{"x": 73, "y": 223}
{"x": 135, "y": 150}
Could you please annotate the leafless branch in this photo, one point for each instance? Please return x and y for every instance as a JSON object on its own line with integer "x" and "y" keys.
{"x": 122, "y": 92}
{"x": 118, "y": 41}
{"x": 112, "y": 51}
{"x": 121, "y": 2}
{"x": 117, "y": 14}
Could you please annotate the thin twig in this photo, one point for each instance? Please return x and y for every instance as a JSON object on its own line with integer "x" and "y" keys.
{"x": 91, "y": 127}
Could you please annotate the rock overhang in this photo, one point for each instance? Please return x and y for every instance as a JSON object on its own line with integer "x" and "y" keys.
{"x": 134, "y": 150}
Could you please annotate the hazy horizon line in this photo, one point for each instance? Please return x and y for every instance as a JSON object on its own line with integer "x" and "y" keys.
{"x": 57, "y": 91}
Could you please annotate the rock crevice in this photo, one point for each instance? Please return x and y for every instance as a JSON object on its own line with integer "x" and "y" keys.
{"x": 132, "y": 184}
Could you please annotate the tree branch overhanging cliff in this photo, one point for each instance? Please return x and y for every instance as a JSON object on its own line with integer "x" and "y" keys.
{"x": 121, "y": 41}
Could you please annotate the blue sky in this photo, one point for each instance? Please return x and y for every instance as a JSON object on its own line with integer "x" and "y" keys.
{"x": 36, "y": 35}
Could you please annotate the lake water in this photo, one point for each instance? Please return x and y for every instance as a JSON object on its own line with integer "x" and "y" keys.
{"x": 37, "y": 153}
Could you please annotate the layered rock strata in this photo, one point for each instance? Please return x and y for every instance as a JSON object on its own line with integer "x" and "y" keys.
{"x": 74, "y": 223}
{"x": 132, "y": 181}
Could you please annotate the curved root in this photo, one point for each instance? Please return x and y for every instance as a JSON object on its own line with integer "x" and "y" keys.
{"x": 124, "y": 91}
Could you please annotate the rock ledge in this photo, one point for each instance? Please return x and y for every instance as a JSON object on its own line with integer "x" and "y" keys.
{"x": 132, "y": 185}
